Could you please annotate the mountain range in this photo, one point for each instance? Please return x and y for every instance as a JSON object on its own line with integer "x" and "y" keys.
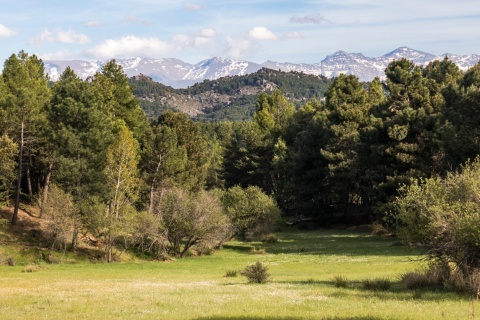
{"x": 179, "y": 74}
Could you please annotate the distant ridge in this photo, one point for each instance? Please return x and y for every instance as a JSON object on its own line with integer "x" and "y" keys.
{"x": 178, "y": 74}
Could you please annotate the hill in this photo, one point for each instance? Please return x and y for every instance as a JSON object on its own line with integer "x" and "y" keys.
{"x": 227, "y": 98}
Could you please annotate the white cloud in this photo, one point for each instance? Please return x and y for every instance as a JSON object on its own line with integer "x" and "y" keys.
{"x": 130, "y": 46}
{"x": 262, "y": 33}
{"x": 93, "y": 23}
{"x": 194, "y": 7}
{"x": 240, "y": 48}
{"x": 6, "y": 32}
{"x": 207, "y": 33}
{"x": 292, "y": 35}
{"x": 69, "y": 36}
{"x": 59, "y": 55}
{"x": 315, "y": 18}
{"x": 133, "y": 19}
{"x": 205, "y": 39}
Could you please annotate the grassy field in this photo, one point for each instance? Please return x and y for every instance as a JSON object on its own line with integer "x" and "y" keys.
{"x": 302, "y": 267}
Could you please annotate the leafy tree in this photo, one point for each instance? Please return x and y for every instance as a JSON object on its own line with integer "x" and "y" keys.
{"x": 61, "y": 215}
{"x": 190, "y": 219}
{"x": 121, "y": 181}
{"x": 23, "y": 111}
{"x": 252, "y": 212}
{"x": 442, "y": 215}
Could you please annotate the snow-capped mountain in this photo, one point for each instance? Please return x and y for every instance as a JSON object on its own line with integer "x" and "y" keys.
{"x": 179, "y": 74}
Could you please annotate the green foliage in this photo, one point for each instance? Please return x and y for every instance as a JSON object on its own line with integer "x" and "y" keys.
{"x": 61, "y": 215}
{"x": 341, "y": 281}
{"x": 240, "y": 91}
{"x": 189, "y": 219}
{"x": 252, "y": 212}
{"x": 231, "y": 273}
{"x": 442, "y": 214}
{"x": 256, "y": 273}
{"x": 8, "y": 151}
{"x": 270, "y": 238}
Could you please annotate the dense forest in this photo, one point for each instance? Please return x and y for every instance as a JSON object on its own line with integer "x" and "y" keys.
{"x": 95, "y": 163}
{"x": 227, "y": 98}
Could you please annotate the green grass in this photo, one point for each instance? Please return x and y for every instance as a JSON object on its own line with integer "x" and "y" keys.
{"x": 302, "y": 265}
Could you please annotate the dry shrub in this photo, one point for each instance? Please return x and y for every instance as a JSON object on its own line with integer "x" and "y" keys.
{"x": 341, "y": 281}
{"x": 32, "y": 268}
{"x": 231, "y": 273}
{"x": 256, "y": 273}
{"x": 270, "y": 238}
{"x": 256, "y": 250}
{"x": 465, "y": 283}
{"x": 380, "y": 230}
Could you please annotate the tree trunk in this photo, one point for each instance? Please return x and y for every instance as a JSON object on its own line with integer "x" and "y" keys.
{"x": 152, "y": 187}
{"x": 45, "y": 188}
{"x": 19, "y": 178}
{"x": 74, "y": 238}
{"x": 29, "y": 179}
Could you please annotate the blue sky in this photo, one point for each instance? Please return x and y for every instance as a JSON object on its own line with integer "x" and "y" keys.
{"x": 284, "y": 31}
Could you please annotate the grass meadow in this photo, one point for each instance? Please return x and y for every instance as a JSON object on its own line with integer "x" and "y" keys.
{"x": 302, "y": 265}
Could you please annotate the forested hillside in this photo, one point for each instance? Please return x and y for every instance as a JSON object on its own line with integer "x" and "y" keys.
{"x": 228, "y": 98}
{"x": 95, "y": 164}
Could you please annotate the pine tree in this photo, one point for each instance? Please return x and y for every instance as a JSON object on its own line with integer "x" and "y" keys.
{"x": 23, "y": 111}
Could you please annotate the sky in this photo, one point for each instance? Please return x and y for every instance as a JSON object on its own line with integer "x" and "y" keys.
{"x": 304, "y": 31}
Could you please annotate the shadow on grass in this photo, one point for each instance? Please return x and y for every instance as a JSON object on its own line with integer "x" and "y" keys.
{"x": 328, "y": 243}
{"x": 397, "y": 291}
{"x": 286, "y": 318}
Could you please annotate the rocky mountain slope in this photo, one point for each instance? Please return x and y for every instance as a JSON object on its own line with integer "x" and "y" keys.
{"x": 231, "y": 98}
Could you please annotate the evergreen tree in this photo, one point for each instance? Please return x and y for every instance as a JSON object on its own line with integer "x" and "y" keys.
{"x": 23, "y": 111}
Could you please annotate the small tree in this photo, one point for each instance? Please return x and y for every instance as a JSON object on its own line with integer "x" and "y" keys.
{"x": 443, "y": 215}
{"x": 190, "y": 219}
{"x": 121, "y": 174}
{"x": 253, "y": 213}
{"x": 62, "y": 217}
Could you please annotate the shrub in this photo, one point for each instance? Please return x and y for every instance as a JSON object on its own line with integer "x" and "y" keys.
{"x": 255, "y": 250}
{"x": 252, "y": 212}
{"x": 340, "y": 281}
{"x": 31, "y": 268}
{"x": 256, "y": 273}
{"x": 190, "y": 220}
{"x": 433, "y": 276}
{"x": 442, "y": 215}
{"x": 231, "y": 273}
{"x": 270, "y": 238}
{"x": 376, "y": 284}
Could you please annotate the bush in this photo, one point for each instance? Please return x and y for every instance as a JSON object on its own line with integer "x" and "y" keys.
{"x": 190, "y": 220}
{"x": 31, "y": 268}
{"x": 442, "y": 215}
{"x": 252, "y": 212}
{"x": 270, "y": 238}
{"x": 434, "y": 276}
{"x": 256, "y": 273}
{"x": 231, "y": 273}
{"x": 340, "y": 281}
{"x": 255, "y": 250}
